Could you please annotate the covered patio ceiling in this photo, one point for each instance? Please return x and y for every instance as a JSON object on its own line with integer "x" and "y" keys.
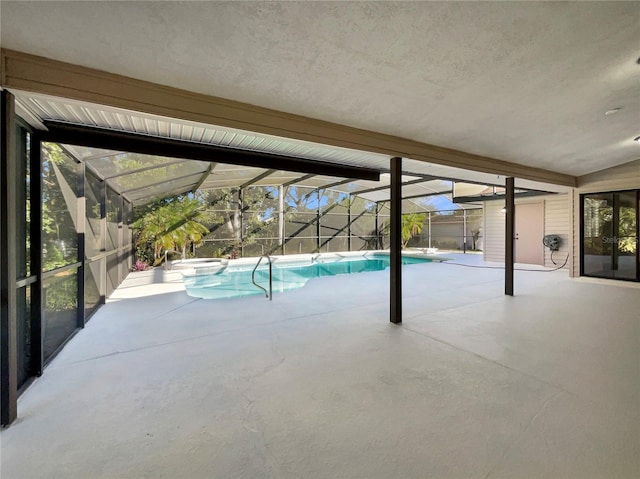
{"x": 144, "y": 178}
{"x": 524, "y": 82}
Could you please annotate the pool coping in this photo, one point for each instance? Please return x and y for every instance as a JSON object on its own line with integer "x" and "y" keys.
{"x": 221, "y": 264}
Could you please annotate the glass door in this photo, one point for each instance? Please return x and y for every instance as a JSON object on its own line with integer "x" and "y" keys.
{"x": 610, "y": 235}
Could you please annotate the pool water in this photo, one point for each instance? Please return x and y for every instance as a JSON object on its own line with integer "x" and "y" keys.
{"x": 235, "y": 281}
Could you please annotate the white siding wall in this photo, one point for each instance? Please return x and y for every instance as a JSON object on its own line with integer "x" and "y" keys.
{"x": 618, "y": 178}
{"x": 557, "y": 221}
{"x": 493, "y": 231}
{"x": 561, "y": 214}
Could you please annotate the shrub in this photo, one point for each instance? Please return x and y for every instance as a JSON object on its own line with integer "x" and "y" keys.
{"x": 140, "y": 266}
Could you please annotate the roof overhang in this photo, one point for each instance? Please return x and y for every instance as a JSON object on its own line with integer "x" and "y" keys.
{"x": 41, "y": 76}
{"x": 155, "y": 145}
{"x": 187, "y": 155}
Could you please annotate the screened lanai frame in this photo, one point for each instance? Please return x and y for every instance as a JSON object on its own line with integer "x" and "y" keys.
{"x": 359, "y": 221}
{"x": 118, "y": 182}
{"x": 50, "y": 111}
{"x": 146, "y": 178}
{"x": 99, "y": 190}
{"x": 73, "y": 245}
{"x": 355, "y": 219}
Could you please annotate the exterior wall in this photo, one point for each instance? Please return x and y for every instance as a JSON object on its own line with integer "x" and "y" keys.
{"x": 493, "y": 231}
{"x": 557, "y": 220}
{"x": 618, "y": 178}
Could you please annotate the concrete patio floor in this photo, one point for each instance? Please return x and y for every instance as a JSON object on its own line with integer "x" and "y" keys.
{"x": 318, "y": 384}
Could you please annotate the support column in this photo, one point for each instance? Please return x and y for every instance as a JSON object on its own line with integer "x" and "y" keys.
{"x": 80, "y": 227}
{"x": 377, "y": 227}
{"x": 395, "y": 253}
{"x": 120, "y": 219}
{"x": 429, "y": 229}
{"x": 464, "y": 231}
{"x": 509, "y": 238}
{"x": 318, "y": 230}
{"x": 349, "y": 224}
{"x": 103, "y": 241}
{"x": 35, "y": 192}
{"x": 8, "y": 271}
{"x": 281, "y": 218}
{"x": 241, "y": 220}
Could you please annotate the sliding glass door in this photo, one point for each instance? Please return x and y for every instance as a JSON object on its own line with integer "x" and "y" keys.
{"x": 610, "y": 235}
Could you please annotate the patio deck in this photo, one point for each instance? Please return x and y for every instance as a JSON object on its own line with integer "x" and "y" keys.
{"x": 318, "y": 384}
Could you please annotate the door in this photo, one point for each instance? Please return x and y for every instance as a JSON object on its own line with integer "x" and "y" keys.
{"x": 529, "y": 233}
{"x": 610, "y": 235}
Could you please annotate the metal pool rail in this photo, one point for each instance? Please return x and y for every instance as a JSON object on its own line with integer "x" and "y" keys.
{"x": 268, "y": 294}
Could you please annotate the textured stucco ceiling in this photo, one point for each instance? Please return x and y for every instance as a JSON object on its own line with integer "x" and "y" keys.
{"x": 523, "y": 82}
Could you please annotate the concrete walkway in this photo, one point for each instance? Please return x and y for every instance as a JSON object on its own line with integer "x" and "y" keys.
{"x": 318, "y": 384}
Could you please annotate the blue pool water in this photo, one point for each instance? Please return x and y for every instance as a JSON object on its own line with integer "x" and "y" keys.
{"x": 235, "y": 280}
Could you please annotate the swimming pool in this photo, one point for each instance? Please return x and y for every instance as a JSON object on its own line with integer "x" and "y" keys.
{"x": 234, "y": 279}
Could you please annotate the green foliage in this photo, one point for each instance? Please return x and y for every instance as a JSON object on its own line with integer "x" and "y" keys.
{"x": 219, "y": 253}
{"x": 628, "y": 245}
{"x": 627, "y": 240}
{"x": 172, "y": 226}
{"x": 251, "y": 224}
{"x": 59, "y": 240}
{"x": 53, "y": 258}
{"x": 61, "y": 293}
{"x": 240, "y": 223}
{"x": 602, "y": 240}
{"x": 412, "y": 224}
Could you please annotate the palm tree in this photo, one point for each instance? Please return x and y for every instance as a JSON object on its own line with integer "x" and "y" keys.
{"x": 190, "y": 232}
{"x": 412, "y": 224}
{"x": 173, "y": 226}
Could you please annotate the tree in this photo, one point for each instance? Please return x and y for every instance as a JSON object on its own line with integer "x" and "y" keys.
{"x": 412, "y": 224}
{"x": 173, "y": 226}
{"x": 626, "y": 234}
{"x": 239, "y": 219}
{"x": 475, "y": 236}
{"x": 59, "y": 235}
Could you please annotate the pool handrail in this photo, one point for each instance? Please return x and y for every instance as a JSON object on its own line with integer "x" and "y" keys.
{"x": 167, "y": 266}
{"x": 268, "y": 294}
